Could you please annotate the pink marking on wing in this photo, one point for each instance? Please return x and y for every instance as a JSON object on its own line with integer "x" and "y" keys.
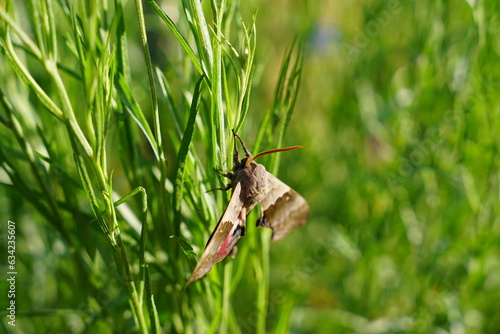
{"x": 228, "y": 243}
{"x": 224, "y": 249}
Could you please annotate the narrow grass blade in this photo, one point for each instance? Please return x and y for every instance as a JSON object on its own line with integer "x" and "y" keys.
{"x": 135, "y": 111}
{"x": 171, "y": 25}
{"x": 182, "y": 155}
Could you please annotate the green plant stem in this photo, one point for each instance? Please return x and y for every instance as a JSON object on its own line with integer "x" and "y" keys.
{"x": 263, "y": 285}
{"x": 149, "y": 68}
{"x": 132, "y": 291}
{"x": 226, "y": 297}
{"x": 217, "y": 107}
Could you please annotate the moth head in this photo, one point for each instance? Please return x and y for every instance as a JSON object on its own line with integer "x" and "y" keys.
{"x": 246, "y": 163}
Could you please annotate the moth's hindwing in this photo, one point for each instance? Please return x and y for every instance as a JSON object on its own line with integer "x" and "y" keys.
{"x": 283, "y": 209}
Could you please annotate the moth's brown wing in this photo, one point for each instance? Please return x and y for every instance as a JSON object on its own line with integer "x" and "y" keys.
{"x": 283, "y": 209}
{"x": 229, "y": 229}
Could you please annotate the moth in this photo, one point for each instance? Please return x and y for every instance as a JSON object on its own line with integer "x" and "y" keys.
{"x": 282, "y": 208}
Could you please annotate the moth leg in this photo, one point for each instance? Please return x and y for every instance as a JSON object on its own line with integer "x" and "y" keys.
{"x": 226, "y": 188}
{"x": 228, "y": 175}
{"x": 247, "y": 152}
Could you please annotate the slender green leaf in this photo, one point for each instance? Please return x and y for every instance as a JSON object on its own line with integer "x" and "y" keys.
{"x": 183, "y": 152}
{"x": 135, "y": 111}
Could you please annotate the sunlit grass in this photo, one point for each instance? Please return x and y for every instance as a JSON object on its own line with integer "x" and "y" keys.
{"x": 68, "y": 153}
{"x": 398, "y": 116}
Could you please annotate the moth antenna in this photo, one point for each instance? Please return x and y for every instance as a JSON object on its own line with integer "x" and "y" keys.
{"x": 236, "y": 154}
{"x": 251, "y": 159}
{"x": 247, "y": 152}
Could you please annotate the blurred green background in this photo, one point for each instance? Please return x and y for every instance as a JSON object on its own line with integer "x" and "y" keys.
{"x": 399, "y": 117}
